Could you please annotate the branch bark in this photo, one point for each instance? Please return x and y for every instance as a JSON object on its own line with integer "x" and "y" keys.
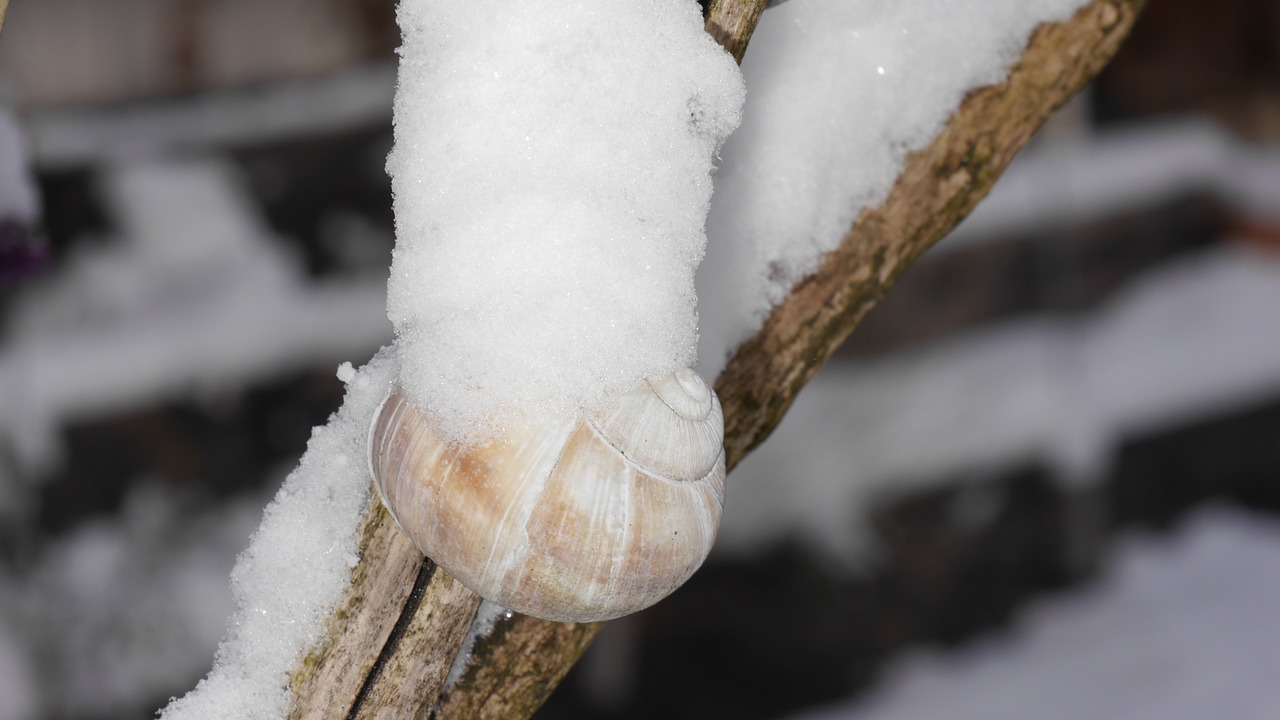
{"x": 388, "y": 647}
{"x": 731, "y": 23}
{"x": 937, "y": 188}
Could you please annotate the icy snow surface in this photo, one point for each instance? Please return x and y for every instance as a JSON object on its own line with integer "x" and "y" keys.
{"x": 297, "y": 566}
{"x": 839, "y": 92}
{"x": 552, "y": 171}
{"x": 1180, "y": 628}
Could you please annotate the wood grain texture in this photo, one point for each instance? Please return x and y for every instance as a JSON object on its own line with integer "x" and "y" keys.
{"x": 327, "y": 681}
{"x": 415, "y": 662}
{"x": 516, "y": 667}
{"x": 731, "y": 23}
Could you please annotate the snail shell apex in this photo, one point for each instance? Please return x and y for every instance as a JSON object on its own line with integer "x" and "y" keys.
{"x": 574, "y": 520}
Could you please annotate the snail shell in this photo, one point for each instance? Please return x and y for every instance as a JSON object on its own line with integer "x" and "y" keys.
{"x": 577, "y": 520}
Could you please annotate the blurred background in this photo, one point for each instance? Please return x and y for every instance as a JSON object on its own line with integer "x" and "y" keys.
{"x": 1041, "y": 480}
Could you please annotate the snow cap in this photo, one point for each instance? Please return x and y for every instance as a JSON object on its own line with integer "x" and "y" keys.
{"x": 552, "y": 174}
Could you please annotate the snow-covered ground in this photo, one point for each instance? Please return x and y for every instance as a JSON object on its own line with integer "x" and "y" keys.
{"x": 1180, "y": 627}
{"x": 194, "y": 294}
{"x": 1188, "y": 340}
{"x": 122, "y": 611}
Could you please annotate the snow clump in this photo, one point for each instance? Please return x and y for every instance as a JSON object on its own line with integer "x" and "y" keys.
{"x": 552, "y": 175}
{"x": 298, "y": 564}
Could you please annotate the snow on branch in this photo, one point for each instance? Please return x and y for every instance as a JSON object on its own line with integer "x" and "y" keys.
{"x": 385, "y": 648}
{"x": 513, "y": 675}
{"x": 937, "y": 187}
{"x": 548, "y": 226}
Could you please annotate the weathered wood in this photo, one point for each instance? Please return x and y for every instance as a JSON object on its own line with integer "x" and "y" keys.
{"x": 731, "y": 23}
{"x": 416, "y": 659}
{"x": 515, "y": 668}
{"x": 328, "y": 680}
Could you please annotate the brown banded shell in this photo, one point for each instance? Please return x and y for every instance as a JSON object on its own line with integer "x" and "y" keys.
{"x": 576, "y": 520}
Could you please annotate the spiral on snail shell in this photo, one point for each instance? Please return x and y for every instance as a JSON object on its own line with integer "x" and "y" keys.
{"x": 574, "y": 520}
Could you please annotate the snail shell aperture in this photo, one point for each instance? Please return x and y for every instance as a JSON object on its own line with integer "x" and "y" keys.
{"x": 576, "y": 520}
